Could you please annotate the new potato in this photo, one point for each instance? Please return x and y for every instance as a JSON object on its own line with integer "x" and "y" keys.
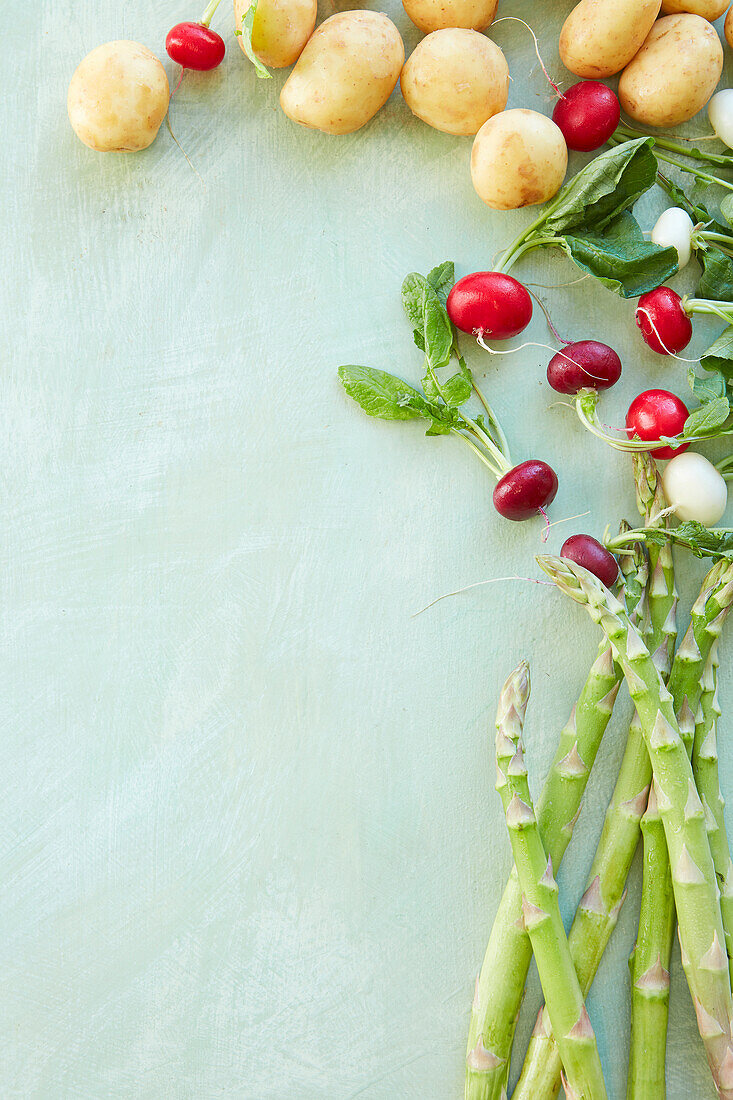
{"x": 436, "y": 15}
{"x": 519, "y": 158}
{"x": 600, "y": 37}
{"x": 728, "y": 27}
{"x": 346, "y": 72}
{"x": 118, "y": 98}
{"x": 455, "y": 80}
{"x": 708, "y": 9}
{"x": 675, "y": 72}
{"x": 280, "y": 29}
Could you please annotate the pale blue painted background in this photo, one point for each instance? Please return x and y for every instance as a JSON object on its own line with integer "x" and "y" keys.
{"x": 249, "y": 841}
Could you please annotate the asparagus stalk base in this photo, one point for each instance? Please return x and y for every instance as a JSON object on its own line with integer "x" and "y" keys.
{"x": 693, "y": 874}
{"x": 540, "y": 906}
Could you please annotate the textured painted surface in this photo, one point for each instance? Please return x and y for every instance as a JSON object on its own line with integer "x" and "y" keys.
{"x": 249, "y": 845}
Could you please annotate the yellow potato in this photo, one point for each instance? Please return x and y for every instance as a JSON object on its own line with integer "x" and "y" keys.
{"x": 600, "y": 37}
{"x": 118, "y": 98}
{"x": 519, "y": 158}
{"x": 345, "y": 73}
{"x": 728, "y": 27}
{"x": 674, "y": 73}
{"x": 708, "y": 9}
{"x": 455, "y": 80}
{"x": 280, "y": 30}
{"x": 436, "y": 15}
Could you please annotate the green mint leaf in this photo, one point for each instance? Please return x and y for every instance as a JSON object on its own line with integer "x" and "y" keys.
{"x": 719, "y": 356}
{"x": 708, "y": 418}
{"x": 245, "y": 33}
{"x": 620, "y": 257}
{"x": 383, "y": 395}
{"x": 442, "y": 278}
{"x": 609, "y": 184}
{"x": 716, "y": 281}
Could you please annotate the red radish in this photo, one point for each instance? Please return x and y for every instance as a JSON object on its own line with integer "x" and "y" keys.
{"x": 657, "y": 413}
{"x": 586, "y": 551}
{"x": 490, "y": 304}
{"x": 525, "y": 490}
{"x": 582, "y": 365}
{"x": 587, "y": 114}
{"x": 664, "y": 323}
{"x": 195, "y": 45}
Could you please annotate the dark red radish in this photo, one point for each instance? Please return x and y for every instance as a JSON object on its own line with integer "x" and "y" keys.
{"x": 525, "y": 490}
{"x": 194, "y": 46}
{"x": 586, "y": 551}
{"x": 664, "y": 323}
{"x": 657, "y": 413}
{"x": 587, "y": 114}
{"x": 491, "y": 304}
{"x": 582, "y": 365}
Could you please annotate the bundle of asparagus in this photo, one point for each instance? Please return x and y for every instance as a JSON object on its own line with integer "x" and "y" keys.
{"x": 667, "y": 794}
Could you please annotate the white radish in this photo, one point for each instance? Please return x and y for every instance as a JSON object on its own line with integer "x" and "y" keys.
{"x": 720, "y": 113}
{"x": 695, "y": 489}
{"x": 674, "y": 228}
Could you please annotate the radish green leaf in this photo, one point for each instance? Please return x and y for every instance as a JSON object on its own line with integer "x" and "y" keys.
{"x": 383, "y": 395}
{"x": 620, "y": 257}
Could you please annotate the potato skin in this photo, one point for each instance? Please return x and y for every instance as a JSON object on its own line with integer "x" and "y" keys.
{"x": 675, "y": 72}
{"x": 455, "y": 80}
{"x": 728, "y": 27}
{"x": 346, "y": 72}
{"x": 708, "y": 9}
{"x": 118, "y": 98}
{"x": 519, "y": 158}
{"x": 600, "y": 37}
{"x": 437, "y": 15}
{"x": 280, "y": 30}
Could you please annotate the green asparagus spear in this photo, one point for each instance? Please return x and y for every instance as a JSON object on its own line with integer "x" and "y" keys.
{"x": 649, "y": 962}
{"x": 705, "y": 767}
{"x": 598, "y": 911}
{"x": 500, "y": 984}
{"x": 694, "y": 883}
{"x": 650, "y": 970}
{"x": 600, "y": 906}
{"x": 540, "y": 909}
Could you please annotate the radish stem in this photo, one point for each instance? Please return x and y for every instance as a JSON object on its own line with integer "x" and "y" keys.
{"x": 628, "y": 538}
{"x": 725, "y": 467}
{"x": 502, "y": 264}
{"x": 477, "y": 450}
{"x": 506, "y": 262}
{"x": 493, "y": 423}
{"x": 720, "y": 160}
{"x": 500, "y": 458}
{"x": 705, "y": 305}
{"x": 208, "y": 15}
